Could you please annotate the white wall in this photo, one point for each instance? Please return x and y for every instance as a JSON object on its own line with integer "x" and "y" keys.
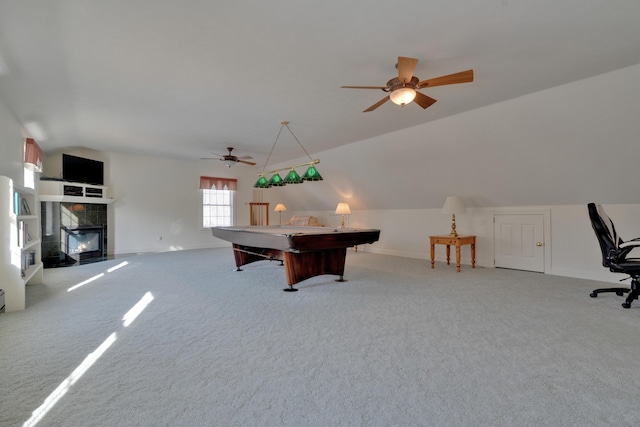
{"x": 508, "y": 156}
{"x": 157, "y": 200}
{"x": 11, "y": 147}
{"x": 511, "y": 155}
{"x": 159, "y": 197}
{"x": 571, "y": 247}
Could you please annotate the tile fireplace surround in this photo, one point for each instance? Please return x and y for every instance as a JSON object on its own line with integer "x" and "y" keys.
{"x": 57, "y": 218}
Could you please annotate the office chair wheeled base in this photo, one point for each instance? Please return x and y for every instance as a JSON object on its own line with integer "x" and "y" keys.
{"x": 633, "y": 293}
{"x": 618, "y": 291}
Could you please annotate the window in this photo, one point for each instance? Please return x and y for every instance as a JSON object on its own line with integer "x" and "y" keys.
{"x": 217, "y": 208}
{"x": 217, "y": 201}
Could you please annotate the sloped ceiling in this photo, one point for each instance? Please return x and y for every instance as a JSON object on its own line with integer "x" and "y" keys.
{"x": 186, "y": 78}
{"x": 567, "y": 145}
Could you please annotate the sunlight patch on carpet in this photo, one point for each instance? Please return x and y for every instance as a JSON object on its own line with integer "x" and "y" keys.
{"x": 115, "y": 267}
{"x": 135, "y": 311}
{"x": 62, "y": 389}
{"x": 96, "y": 277}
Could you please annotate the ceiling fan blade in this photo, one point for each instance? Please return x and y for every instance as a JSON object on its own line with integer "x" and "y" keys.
{"x": 245, "y": 157}
{"x": 364, "y": 87}
{"x": 406, "y": 67}
{"x": 461, "y": 77}
{"x": 423, "y": 100}
{"x": 377, "y": 104}
{"x": 246, "y": 162}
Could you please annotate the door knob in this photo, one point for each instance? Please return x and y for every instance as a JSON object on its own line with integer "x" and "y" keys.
{"x": 538, "y": 243}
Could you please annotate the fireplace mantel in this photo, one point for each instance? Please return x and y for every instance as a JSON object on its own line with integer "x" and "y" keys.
{"x": 75, "y": 199}
{"x": 73, "y": 192}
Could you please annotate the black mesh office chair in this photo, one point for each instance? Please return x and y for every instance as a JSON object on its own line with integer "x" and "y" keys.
{"x": 614, "y": 254}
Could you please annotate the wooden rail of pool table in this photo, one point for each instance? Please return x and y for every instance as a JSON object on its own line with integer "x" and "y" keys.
{"x": 305, "y": 251}
{"x": 298, "y": 266}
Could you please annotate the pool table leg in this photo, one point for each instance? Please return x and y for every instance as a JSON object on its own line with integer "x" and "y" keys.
{"x": 300, "y": 266}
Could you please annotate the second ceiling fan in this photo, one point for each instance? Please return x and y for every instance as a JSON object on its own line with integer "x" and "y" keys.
{"x": 403, "y": 89}
{"x": 230, "y": 159}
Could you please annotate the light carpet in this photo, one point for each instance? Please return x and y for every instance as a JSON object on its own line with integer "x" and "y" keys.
{"x": 399, "y": 344}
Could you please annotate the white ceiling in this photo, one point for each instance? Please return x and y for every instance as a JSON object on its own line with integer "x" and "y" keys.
{"x": 183, "y": 78}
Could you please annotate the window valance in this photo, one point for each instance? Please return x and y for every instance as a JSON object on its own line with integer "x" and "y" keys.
{"x": 33, "y": 154}
{"x": 214, "y": 183}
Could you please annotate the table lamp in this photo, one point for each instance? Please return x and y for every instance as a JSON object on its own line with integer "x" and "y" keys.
{"x": 343, "y": 209}
{"x": 279, "y": 208}
{"x": 453, "y": 205}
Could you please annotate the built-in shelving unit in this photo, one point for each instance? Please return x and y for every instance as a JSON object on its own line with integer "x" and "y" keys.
{"x": 20, "y": 244}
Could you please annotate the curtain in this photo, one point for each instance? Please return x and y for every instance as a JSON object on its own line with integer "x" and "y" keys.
{"x": 214, "y": 183}
{"x": 33, "y": 154}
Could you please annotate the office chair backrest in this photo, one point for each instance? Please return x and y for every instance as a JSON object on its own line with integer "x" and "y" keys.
{"x": 605, "y": 231}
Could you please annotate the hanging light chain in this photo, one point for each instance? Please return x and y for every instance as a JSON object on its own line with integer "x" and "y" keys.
{"x": 294, "y": 137}
{"x": 293, "y": 177}
{"x": 282, "y": 124}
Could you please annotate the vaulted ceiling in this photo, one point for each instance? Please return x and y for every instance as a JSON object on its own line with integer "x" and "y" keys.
{"x": 186, "y": 78}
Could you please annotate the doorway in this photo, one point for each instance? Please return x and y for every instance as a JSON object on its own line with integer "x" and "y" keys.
{"x": 519, "y": 241}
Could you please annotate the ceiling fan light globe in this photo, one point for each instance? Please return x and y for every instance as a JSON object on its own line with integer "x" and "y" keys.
{"x": 229, "y": 162}
{"x": 402, "y": 96}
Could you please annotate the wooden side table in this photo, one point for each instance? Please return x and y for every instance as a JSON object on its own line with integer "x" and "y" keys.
{"x": 455, "y": 241}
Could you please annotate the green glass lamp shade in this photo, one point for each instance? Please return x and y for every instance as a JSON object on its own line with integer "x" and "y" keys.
{"x": 276, "y": 181}
{"x": 262, "y": 182}
{"x": 292, "y": 177}
{"x": 312, "y": 174}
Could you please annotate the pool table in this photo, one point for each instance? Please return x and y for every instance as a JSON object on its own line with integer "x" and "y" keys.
{"x": 305, "y": 251}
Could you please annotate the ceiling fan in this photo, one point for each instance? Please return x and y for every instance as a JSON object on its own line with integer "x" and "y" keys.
{"x": 230, "y": 159}
{"x": 403, "y": 89}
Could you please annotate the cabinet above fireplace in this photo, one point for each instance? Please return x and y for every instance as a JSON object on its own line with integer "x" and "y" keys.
{"x": 73, "y": 192}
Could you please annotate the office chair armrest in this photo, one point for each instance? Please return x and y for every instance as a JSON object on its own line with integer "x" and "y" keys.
{"x": 623, "y": 249}
{"x": 629, "y": 244}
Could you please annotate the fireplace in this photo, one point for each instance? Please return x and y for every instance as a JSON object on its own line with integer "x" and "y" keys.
{"x": 84, "y": 242}
{"x": 73, "y": 233}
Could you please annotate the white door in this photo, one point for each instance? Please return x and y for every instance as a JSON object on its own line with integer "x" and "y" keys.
{"x": 519, "y": 241}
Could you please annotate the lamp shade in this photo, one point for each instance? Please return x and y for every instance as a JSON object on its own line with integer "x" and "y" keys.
{"x": 453, "y": 205}
{"x": 312, "y": 174}
{"x": 280, "y": 207}
{"x": 276, "y": 180}
{"x": 343, "y": 209}
{"x": 403, "y": 95}
{"x": 293, "y": 177}
{"x": 262, "y": 182}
